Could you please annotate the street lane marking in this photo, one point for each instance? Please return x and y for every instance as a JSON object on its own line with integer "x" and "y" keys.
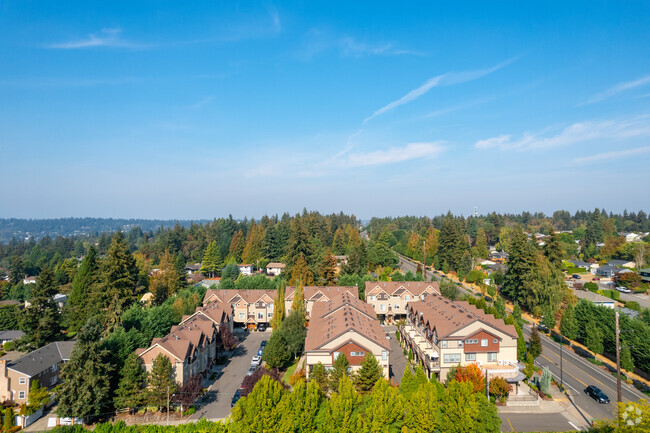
{"x": 513, "y": 429}
{"x": 574, "y": 426}
{"x": 570, "y": 375}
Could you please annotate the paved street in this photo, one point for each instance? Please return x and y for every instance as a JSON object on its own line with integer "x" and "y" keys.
{"x": 216, "y": 403}
{"x": 537, "y": 422}
{"x": 407, "y": 265}
{"x": 578, "y": 374}
{"x": 397, "y": 359}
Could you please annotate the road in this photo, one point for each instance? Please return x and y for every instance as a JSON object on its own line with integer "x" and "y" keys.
{"x": 407, "y": 265}
{"x": 578, "y": 373}
{"x": 531, "y": 422}
{"x": 216, "y": 403}
{"x": 397, "y": 359}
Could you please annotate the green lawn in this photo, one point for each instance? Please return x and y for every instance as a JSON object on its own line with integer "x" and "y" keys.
{"x": 290, "y": 371}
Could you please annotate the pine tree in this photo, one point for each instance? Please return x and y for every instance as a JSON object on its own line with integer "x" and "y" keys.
{"x": 300, "y": 408}
{"x": 627, "y": 362}
{"x": 254, "y": 241}
{"x": 328, "y": 270}
{"x": 535, "y": 343}
{"x": 278, "y": 308}
{"x": 160, "y": 381}
{"x": 481, "y": 244}
{"x": 341, "y": 412}
{"x": 299, "y": 248}
{"x": 339, "y": 370}
{"x": 300, "y": 273}
{"x": 368, "y": 375}
{"x": 276, "y": 352}
{"x": 553, "y": 250}
{"x": 77, "y": 307}
{"x": 86, "y": 378}
{"x": 568, "y": 325}
{"x": 385, "y": 409}
{"x": 271, "y": 247}
{"x": 237, "y": 245}
{"x": 464, "y": 410}
{"x": 319, "y": 375}
{"x": 130, "y": 392}
{"x": 338, "y": 245}
{"x": 594, "y": 338}
{"x": 451, "y": 243}
{"x": 41, "y": 319}
{"x": 212, "y": 261}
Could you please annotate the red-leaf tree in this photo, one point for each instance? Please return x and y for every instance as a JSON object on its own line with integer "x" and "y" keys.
{"x": 471, "y": 373}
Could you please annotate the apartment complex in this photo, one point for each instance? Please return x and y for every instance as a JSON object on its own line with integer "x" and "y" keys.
{"x": 41, "y": 364}
{"x": 390, "y": 298}
{"x": 347, "y": 325}
{"x": 313, "y": 294}
{"x": 190, "y": 346}
{"x": 250, "y": 308}
{"x": 442, "y": 334}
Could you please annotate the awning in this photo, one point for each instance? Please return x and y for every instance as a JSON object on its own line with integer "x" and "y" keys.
{"x": 521, "y": 376}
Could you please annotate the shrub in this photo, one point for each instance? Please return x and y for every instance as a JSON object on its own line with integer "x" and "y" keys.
{"x": 296, "y": 377}
{"x": 633, "y": 305}
{"x": 591, "y": 286}
{"x": 500, "y": 388}
{"x": 545, "y": 381}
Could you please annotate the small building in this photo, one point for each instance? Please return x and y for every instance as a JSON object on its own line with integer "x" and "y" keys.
{"x": 645, "y": 275}
{"x": 341, "y": 260}
{"x": 621, "y": 264}
{"x": 209, "y": 282}
{"x": 192, "y": 269}
{"x": 608, "y": 271}
{"x": 10, "y": 335}
{"x": 597, "y": 299}
{"x": 499, "y": 257}
{"x": 41, "y": 364}
{"x": 245, "y": 269}
{"x": 250, "y": 308}
{"x": 29, "y": 280}
{"x": 274, "y": 268}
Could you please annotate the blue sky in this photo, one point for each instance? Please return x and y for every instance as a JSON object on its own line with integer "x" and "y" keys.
{"x": 195, "y": 110}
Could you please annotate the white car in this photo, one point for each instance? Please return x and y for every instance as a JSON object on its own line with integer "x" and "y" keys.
{"x": 623, "y": 289}
{"x": 256, "y": 360}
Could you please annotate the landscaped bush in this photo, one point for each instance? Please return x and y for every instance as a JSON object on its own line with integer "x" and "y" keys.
{"x": 591, "y": 286}
{"x": 611, "y": 294}
{"x": 633, "y": 305}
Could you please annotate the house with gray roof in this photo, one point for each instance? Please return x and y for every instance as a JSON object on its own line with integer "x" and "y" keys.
{"x": 621, "y": 263}
{"x": 42, "y": 364}
{"x": 10, "y": 335}
{"x": 597, "y": 299}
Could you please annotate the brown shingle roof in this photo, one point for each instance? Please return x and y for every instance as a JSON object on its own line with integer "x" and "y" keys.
{"x": 329, "y": 291}
{"x": 398, "y": 287}
{"x": 250, "y": 296}
{"x": 447, "y": 316}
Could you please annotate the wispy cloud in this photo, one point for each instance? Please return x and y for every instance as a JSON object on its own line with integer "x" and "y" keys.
{"x": 447, "y": 79}
{"x": 621, "y": 87}
{"x": 108, "y": 37}
{"x": 393, "y": 155}
{"x": 275, "y": 18}
{"x": 607, "y": 130}
{"x": 613, "y": 155}
{"x": 352, "y": 47}
{"x": 200, "y": 103}
{"x": 317, "y": 41}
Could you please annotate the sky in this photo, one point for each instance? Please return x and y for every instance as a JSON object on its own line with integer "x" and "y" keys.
{"x": 191, "y": 110}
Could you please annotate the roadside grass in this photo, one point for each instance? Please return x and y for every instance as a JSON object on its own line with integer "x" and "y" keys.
{"x": 290, "y": 371}
{"x": 594, "y": 361}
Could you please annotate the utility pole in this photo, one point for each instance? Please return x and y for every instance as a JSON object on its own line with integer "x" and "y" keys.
{"x": 424, "y": 252}
{"x": 618, "y": 361}
{"x": 561, "y": 370}
{"x": 167, "y": 404}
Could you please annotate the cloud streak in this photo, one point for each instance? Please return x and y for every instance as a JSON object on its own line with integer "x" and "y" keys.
{"x": 607, "y": 130}
{"x": 613, "y": 155}
{"x": 424, "y": 150}
{"x": 447, "y": 79}
{"x": 108, "y": 37}
{"x": 613, "y": 91}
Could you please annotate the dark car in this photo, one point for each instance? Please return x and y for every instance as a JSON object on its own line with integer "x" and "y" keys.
{"x": 261, "y": 327}
{"x": 235, "y": 398}
{"x": 263, "y": 343}
{"x": 260, "y": 351}
{"x": 596, "y": 394}
{"x": 576, "y": 276}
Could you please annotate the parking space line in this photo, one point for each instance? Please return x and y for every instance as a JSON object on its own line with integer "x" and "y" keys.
{"x": 513, "y": 429}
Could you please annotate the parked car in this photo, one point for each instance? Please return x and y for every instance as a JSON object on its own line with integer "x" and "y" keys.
{"x": 263, "y": 343}
{"x": 596, "y": 278}
{"x": 623, "y": 289}
{"x": 260, "y": 351}
{"x": 261, "y": 327}
{"x": 576, "y": 276}
{"x": 256, "y": 361}
{"x": 596, "y": 394}
{"x": 251, "y": 370}
{"x": 235, "y": 398}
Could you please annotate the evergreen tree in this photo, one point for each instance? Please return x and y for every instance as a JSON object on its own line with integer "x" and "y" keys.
{"x": 385, "y": 409}
{"x": 299, "y": 248}
{"x": 300, "y": 273}
{"x": 594, "y": 338}
{"x": 451, "y": 243}
{"x": 548, "y": 318}
{"x": 521, "y": 263}
{"x": 271, "y": 247}
{"x": 77, "y": 307}
{"x": 357, "y": 260}
{"x": 179, "y": 266}
{"x": 254, "y": 241}
{"x": 9, "y": 417}
{"x": 164, "y": 283}
{"x": 480, "y": 245}
{"x": 276, "y": 352}
{"x": 237, "y": 245}
{"x": 130, "y": 392}
{"x": 627, "y": 362}
{"x": 339, "y": 370}
{"x": 278, "y": 308}
{"x": 212, "y": 261}
{"x": 261, "y": 410}
{"x": 521, "y": 343}
{"x": 160, "y": 381}
{"x": 535, "y": 343}
{"x": 41, "y": 319}
{"x": 300, "y": 408}
{"x": 341, "y": 412}
{"x": 553, "y": 250}
{"x": 368, "y": 375}
{"x": 230, "y": 272}
{"x": 294, "y": 331}
{"x": 422, "y": 409}
{"x": 464, "y": 410}
{"x": 338, "y": 245}
{"x": 328, "y": 270}
{"x": 86, "y": 378}
{"x": 431, "y": 245}
{"x": 319, "y": 375}
{"x": 568, "y": 325}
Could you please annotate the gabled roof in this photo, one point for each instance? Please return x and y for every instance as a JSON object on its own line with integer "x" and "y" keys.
{"x": 250, "y": 296}
{"x": 619, "y": 262}
{"x": 416, "y": 288}
{"x": 328, "y": 291}
{"x": 41, "y": 359}
{"x": 449, "y": 317}
{"x": 276, "y": 265}
{"x": 593, "y": 297}
{"x": 343, "y": 300}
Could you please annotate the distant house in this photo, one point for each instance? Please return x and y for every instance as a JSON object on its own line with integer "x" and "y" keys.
{"x": 580, "y": 264}
{"x": 630, "y": 237}
{"x": 29, "y": 280}
{"x": 192, "y": 269}
{"x": 245, "y": 269}
{"x": 209, "y": 282}
{"x": 597, "y": 299}
{"x": 500, "y": 256}
{"x": 41, "y": 364}
{"x": 483, "y": 262}
{"x": 59, "y": 299}
{"x": 341, "y": 260}
{"x": 147, "y": 298}
{"x": 11, "y": 335}
{"x": 645, "y": 275}
{"x": 608, "y": 271}
{"x": 632, "y": 314}
{"x": 621, "y": 263}
{"x": 274, "y": 268}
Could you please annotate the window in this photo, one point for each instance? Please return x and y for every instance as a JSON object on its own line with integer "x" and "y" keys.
{"x": 53, "y": 380}
{"x": 495, "y": 341}
{"x": 471, "y": 341}
{"x": 384, "y": 355}
{"x": 397, "y": 306}
{"x": 452, "y": 358}
{"x": 335, "y": 355}
{"x": 357, "y": 353}
{"x": 444, "y": 344}
{"x": 260, "y": 315}
{"x": 372, "y": 297}
{"x": 470, "y": 357}
{"x": 238, "y": 304}
{"x": 484, "y": 342}
{"x": 382, "y": 307}
{"x": 460, "y": 343}
{"x": 241, "y": 315}
{"x": 271, "y": 307}
{"x": 54, "y": 368}
{"x": 270, "y": 314}
{"x": 21, "y": 394}
{"x": 407, "y": 298}
{"x": 22, "y": 381}
{"x": 492, "y": 356}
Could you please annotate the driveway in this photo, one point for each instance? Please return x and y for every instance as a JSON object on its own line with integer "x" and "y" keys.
{"x": 397, "y": 359}
{"x": 216, "y": 403}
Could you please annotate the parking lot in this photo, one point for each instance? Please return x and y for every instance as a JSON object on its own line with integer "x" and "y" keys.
{"x": 216, "y": 403}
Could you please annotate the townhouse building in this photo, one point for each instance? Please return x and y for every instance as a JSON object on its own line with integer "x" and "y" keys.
{"x": 442, "y": 334}
{"x": 192, "y": 345}
{"x": 250, "y": 308}
{"x": 313, "y": 294}
{"x": 42, "y": 365}
{"x": 390, "y": 298}
{"x": 346, "y": 325}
